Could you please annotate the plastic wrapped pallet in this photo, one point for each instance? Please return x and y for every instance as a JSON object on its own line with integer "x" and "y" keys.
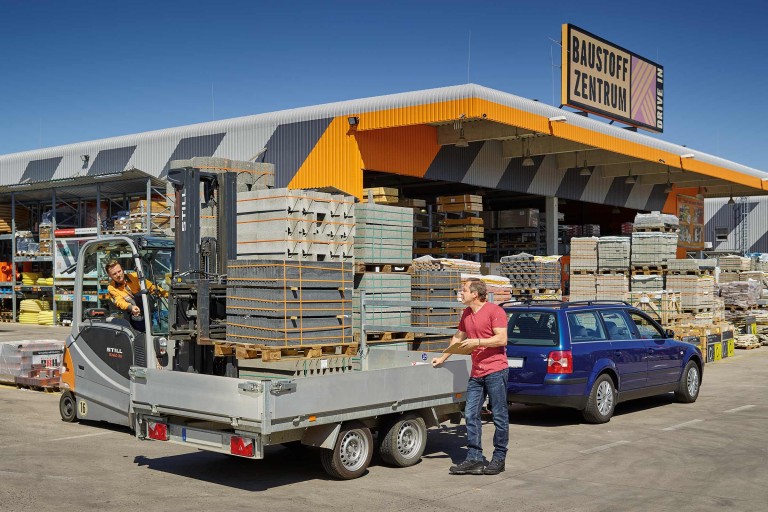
{"x": 612, "y": 287}
{"x": 734, "y": 263}
{"x": 458, "y": 265}
{"x": 22, "y": 358}
{"x": 643, "y": 283}
{"x": 613, "y": 253}
{"x": 656, "y": 221}
{"x": 384, "y": 234}
{"x": 695, "y": 291}
{"x": 584, "y": 254}
{"x": 583, "y": 287}
{"x": 654, "y": 249}
{"x": 691, "y": 265}
{"x": 380, "y": 286}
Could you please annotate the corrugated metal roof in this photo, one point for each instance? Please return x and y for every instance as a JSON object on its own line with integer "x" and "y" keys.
{"x": 243, "y": 137}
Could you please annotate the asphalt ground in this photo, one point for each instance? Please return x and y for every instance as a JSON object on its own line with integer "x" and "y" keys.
{"x": 654, "y": 454}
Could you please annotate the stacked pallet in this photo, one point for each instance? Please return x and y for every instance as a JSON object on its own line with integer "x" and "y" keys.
{"x": 384, "y": 234}
{"x": 35, "y": 360}
{"x": 663, "y": 306}
{"x": 288, "y": 304}
{"x": 498, "y": 287}
{"x": 22, "y": 218}
{"x": 530, "y": 274}
{"x": 696, "y": 291}
{"x": 583, "y": 287}
{"x": 300, "y": 225}
{"x": 584, "y": 254}
{"x": 458, "y": 265}
{"x": 731, "y": 267}
{"x": 740, "y": 295}
{"x": 613, "y": 253}
{"x": 612, "y": 287}
{"x": 438, "y": 286}
{"x": 382, "y": 286}
{"x": 653, "y": 249}
{"x": 691, "y": 266}
{"x": 656, "y": 221}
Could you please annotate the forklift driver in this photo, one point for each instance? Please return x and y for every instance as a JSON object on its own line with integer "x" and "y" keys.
{"x": 124, "y": 291}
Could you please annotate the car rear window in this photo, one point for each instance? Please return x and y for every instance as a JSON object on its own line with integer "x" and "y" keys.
{"x": 533, "y": 328}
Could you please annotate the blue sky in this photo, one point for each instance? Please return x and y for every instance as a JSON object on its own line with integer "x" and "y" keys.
{"x": 82, "y": 70}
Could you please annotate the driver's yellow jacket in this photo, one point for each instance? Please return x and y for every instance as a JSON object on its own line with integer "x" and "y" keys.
{"x": 126, "y": 295}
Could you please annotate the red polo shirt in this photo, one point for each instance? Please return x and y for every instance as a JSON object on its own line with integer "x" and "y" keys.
{"x": 485, "y": 360}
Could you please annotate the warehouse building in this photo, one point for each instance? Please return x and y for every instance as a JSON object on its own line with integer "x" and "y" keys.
{"x": 513, "y": 152}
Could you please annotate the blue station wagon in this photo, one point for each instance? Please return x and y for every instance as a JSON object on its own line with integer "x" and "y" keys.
{"x": 592, "y": 355}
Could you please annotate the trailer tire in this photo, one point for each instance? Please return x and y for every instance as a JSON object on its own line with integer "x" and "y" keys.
{"x": 68, "y": 407}
{"x": 352, "y": 453}
{"x": 403, "y": 442}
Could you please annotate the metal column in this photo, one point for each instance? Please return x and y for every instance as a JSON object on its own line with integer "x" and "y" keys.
{"x": 550, "y": 216}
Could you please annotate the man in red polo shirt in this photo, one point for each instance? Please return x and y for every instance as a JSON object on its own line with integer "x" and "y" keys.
{"x": 483, "y": 330}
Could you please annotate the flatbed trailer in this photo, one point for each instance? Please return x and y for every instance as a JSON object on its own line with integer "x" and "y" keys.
{"x": 396, "y": 394}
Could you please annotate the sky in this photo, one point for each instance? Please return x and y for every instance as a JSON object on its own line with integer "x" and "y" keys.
{"x": 75, "y": 71}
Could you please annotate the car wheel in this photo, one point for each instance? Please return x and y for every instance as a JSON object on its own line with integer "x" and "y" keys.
{"x": 690, "y": 382}
{"x": 352, "y": 454}
{"x": 68, "y": 407}
{"x": 601, "y": 402}
{"x": 403, "y": 443}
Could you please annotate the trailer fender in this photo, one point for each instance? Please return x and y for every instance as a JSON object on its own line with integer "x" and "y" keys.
{"x": 321, "y": 436}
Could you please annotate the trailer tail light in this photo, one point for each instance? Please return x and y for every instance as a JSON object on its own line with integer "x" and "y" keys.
{"x": 157, "y": 431}
{"x": 560, "y": 361}
{"x": 242, "y": 446}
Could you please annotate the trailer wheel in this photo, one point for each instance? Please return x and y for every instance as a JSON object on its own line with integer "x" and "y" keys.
{"x": 68, "y": 407}
{"x": 403, "y": 443}
{"x": 352, "y": 454}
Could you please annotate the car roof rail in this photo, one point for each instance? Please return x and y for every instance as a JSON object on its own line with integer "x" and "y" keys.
{"x": 564, "y": 304}
{"x": 599, "y": 303}
{"x": 532, "y": 302}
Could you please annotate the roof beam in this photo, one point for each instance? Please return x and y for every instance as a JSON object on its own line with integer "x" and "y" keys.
{"x": 475, "y": 130}
{"x": 541, "y": 145}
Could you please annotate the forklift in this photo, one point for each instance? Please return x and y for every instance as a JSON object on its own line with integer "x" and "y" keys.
{"x": 105, "y": 343}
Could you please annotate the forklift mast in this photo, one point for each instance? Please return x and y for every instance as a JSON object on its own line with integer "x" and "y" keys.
{"x": 198, "y": 289}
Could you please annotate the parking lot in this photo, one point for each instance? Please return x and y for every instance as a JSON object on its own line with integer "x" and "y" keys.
{"x": 653, "y": 455}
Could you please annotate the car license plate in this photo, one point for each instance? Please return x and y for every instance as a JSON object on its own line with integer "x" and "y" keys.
{"x": 515, "y": 362}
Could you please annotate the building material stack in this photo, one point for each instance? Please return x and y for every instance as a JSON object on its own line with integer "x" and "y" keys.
{"x": 295, "y": 225}
{"x": 532, "y": 276}
{"x": 498, "y": 287}
{"x": 740, "y": 297}
{"x": 381, "y": 195}
{"x": 614, "y": 286}
{"x": 692, "y": 277}
{"x": 22, "y": 218}
{"x": 731, "y": 267}
{"x": 383, "y": 258}
{"x": 461, "y": 229}
{"x": 459, "y": 265}
{"x": 435, "y": 286}
{"x": 654, "y": 244}
{"x": 280, "y": 304}
{"x": 583, "y": 269}
{"x": 31, "y": 363}
{"x": 612, "y": 280}
{"x": 663, "y": 306}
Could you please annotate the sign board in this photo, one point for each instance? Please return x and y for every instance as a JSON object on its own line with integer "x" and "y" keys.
{"x": 690, "y": 211}
{"x": 605, "y": 79}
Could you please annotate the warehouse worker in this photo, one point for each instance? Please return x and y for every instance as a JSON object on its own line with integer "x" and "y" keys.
{"x": 125, "y": 289}
{"x": 483, "y": 331}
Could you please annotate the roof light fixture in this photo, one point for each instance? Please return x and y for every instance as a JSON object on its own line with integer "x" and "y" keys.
{"x": 459, "y": 126}
{"x": 585, "y": 171}
{"x": 731, "y": 201}
{"x": 528, "y": 161}
{"x": 631, "y": 180}
{"x": 668, "y": 188}
{"x": 558, "y": 119}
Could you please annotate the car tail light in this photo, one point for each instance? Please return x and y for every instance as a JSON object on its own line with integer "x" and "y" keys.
{"x": 157, "y": 431}
{"x": 242, "y": 446}
{"x": 560, "y": 361}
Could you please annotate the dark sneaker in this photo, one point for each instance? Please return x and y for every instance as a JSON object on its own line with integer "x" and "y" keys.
{"x": 494, "y": 467}
{"x": 468, "y": 467}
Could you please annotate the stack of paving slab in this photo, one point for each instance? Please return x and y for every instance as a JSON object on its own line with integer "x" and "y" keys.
{"x": 647, "y": 283}
{"x": 528, "y": 272}
{"x": 438, "y": 286}
{"x": 691, "y": 266}
{"x": 295, "y": 224}
{"x": 583, "y": 287}
{"x": 613, "y": 253}
{"x": 612, "y": 287}
{"x": 459, "y": 265}
{"x": 740, "y": 295}
{"x": 384, "y": 234}
{"x": 653, "y": 249}
{"x": 731, "y": 267}
{"x": 655, "y": 221}
{"x": 696, "y": 291}
{"x": 584, "y": 254}
{"x": 383, "y": 286}
{"x": 279, "y": 303}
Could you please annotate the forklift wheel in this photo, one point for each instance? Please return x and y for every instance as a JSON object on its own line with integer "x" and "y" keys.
{"x": 68, "y": 407}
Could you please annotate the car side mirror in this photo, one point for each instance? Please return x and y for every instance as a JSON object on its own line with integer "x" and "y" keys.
{"x": 669, "y": 333}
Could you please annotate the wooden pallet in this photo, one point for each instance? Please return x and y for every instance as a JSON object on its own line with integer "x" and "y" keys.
{"x": 700, "y": 272}
{"x": 665, "y": 229}
{"x": 617, "y": 271}
{"x": 584, "y": 272}
{"x": 697, "y": 309}
{"x": 383, "y": 268}
{"x": 270, "y": 354}
{"x": 747, "y": 347}
{"x": 538, "y": 291}
{"x": 467, "y": 221}
{"x": 380, "y": 337}
{"x": 649, "y": 268}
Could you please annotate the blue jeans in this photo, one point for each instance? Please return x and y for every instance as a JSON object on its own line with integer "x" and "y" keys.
{"x": 494, "y": 386}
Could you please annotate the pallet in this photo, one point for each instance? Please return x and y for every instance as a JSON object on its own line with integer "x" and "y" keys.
{"x": 747, "y": 347}
{"x": 373, "y": 337}
{"x": 617, "y": 271}
{"x": 537, "y": 291}
{"x": 383, "y": 268}
{"x": 584, "y": 272}
{"x": 665, "y": 229}
{"x": 690, "y": 272}
{"x": 269, "y": 354}
{"x": 751, "y": 309}
{"x": 649, "y": 268}
{"x": 697, "y": 309}
{"x": 467, "y": 221}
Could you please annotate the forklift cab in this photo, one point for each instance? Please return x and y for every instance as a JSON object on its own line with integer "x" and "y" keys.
{"x": 105, "y": 341}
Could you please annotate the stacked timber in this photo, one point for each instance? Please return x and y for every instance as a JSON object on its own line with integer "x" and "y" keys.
{"x": 663, "y": 305}
{"x": 461, "y": 231}
{"x": 612, "y": 286}
{"x": 288, "y": 304}
{"x": 295, "y": 224}
{"x": 438, "y": 286}
{"x": 381, "y": 195}
{"x": 384, "y": 234}
{"x": 22, "y": 218}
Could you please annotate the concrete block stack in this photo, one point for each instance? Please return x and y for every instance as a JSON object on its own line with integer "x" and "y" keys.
{"x": 384, "y": 234}
{"x": 584, "y": 254}
{"x": 295, "y": 224}
{"x": 731, "y": 267}
{"x": 382, "y": 286}
{"x": 613, "y": 253}
{"x": 583, "y": 287}
{"x": 532, "y": 274}
{"x": 656, "y": 221}
{"x": 435, "y": 286}
{"x": 696, "y": 291}
{"x": 31, "y": 363}
{"x": 612, "y": 286}
{"x": 653, "y": 249}
{"x": 647, "y": 283}
{"x": 279, "y": 303}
